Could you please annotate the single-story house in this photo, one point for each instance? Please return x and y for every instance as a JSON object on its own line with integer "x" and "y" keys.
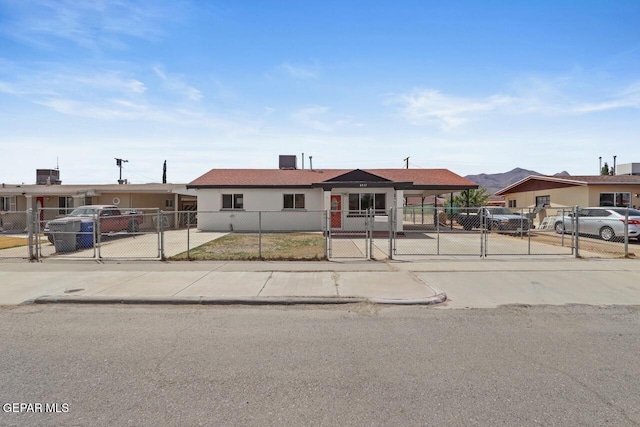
{"x": 544, "y": 193}
{"x": 54, "y": 200}
{"x": 297, "y": 199}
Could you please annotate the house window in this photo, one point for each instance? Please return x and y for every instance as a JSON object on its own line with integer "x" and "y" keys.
{"x": 88, "y": 200}
{"x": 293, "y": 201}
{"x": 621, "y": 200}
{"x": 65, "y": 205}
{"x": 5, "y": 203}
{"x": 360, "y": 202}
{"x": 168, "y": 203}
{"x": 543, "y": 201}
{"x": 232, "y": 201}
{"x": 512, "y": 204}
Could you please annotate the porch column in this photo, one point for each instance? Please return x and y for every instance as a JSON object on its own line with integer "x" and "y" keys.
{"x": 399, "y": 209}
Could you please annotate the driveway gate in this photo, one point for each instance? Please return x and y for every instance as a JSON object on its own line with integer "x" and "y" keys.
{"x": 368, "y": 238}
{"x": 134, "y": 234}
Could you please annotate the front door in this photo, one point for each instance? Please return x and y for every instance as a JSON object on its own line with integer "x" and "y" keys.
{"x": 336, "y": 211}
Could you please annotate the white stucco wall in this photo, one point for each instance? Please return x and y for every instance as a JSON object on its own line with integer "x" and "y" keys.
{"x": 211, "y": 217}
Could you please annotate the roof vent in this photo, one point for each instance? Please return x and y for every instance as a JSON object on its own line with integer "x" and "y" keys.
{"x": 288, "y": 162}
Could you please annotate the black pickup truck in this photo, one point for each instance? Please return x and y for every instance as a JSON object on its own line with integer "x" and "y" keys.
{"x": 496, "y": 218}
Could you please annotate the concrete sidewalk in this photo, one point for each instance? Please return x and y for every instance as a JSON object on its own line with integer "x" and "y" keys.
{"x": 212, "y": 283}
{"x": 464, "y": 282}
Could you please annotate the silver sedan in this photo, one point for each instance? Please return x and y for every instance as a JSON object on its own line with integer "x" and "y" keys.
{"x": 608, "y": 223}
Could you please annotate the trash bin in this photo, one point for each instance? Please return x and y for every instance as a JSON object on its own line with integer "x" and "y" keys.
{"x": 64, "y": 232}
{"x": 85, "y": 236}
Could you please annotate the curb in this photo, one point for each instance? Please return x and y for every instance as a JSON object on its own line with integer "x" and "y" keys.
{"x": 437, "y": 299}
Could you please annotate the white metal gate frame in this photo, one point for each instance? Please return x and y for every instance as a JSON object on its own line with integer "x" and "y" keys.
{"x": 35, "y": 245}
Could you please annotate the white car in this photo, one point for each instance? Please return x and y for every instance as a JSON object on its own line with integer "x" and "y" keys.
{"x": 608, "y": 223}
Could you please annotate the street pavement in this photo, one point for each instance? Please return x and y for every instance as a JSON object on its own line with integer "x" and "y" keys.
{"x": 338, "y": 365}
{"x": 462, "y": 282}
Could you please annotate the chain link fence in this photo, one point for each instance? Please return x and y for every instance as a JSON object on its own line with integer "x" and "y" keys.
{"x": 15, "y": 238}
{"x": 241, "y": 235}
{"x": 94, "y": 233}
{"x": 308, "y": 235}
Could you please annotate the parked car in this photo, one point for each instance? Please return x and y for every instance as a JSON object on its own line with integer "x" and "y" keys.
{"x": 111, "y": 219}
{"x": 497, "y": 218}
{"x": 607, "y": 223}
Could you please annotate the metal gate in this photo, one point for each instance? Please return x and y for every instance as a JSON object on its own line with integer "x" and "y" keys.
{"x": 366, "y": 236}
{"x": 472, "y": 232}
{"x": 103, "y": 234}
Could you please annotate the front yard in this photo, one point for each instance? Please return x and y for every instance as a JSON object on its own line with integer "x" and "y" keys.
{"x": 246, "y": 246}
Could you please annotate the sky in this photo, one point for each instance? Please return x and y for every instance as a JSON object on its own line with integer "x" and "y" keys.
{"x": 470, "y": 86}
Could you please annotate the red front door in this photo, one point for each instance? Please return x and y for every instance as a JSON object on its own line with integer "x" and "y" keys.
{"x": 336, "y": 211}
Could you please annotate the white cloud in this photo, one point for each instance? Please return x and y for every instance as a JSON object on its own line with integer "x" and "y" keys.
{"x": 312, "y": 117}
{"x": 320, "y": 118}
{"x": 432, "y": 107}
{"x": 298, "y": 71}
{"x": 89, "y": 23}
{"x": 175, "y": 84}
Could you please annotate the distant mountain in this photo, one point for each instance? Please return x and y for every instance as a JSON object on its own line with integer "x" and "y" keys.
{"x": 497, "y": 181}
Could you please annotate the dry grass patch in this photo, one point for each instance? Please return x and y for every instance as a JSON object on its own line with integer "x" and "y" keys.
{"x": 7, "y": 242}
{"x": 245, "y": 246}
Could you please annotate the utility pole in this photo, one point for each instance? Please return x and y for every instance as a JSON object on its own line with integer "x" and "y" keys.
{"x": 407, "y": 162}
{"x": 119, "y": 163}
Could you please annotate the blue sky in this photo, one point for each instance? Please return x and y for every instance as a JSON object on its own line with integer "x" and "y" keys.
{"x": 472, "y": 86}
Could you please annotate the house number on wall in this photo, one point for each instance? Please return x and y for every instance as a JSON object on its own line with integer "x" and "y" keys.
{"x": 363, "y": 185}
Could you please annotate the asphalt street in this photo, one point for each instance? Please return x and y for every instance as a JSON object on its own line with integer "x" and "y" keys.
{"x": 361, "y": 364}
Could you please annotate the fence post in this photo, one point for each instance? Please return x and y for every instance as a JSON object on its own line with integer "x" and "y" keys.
{"x": 327, "y": 214}
{"x": 158, "y": 228}
{"x": 483, "y": 232}
{"x": 98, "y": 233}
{"x": 30, "y": 238}
{"x": 372, "y": 225}
{"x": 391, "y": 232}
{"x": 94, "y": 237}
{"x": 576, "y": 230}
{"x": 324, "y": 234}
{"x": 529, "y": 225}
{"x": 260, "y": 234}
{"x": 162, "y": 257}
{"x": 626, "y": 233}
{"x": 437, "y": 218}
{"x": 188, "y": 236}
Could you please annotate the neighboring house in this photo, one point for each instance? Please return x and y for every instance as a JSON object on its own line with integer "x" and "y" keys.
{"x": 545, "y": 193}
{"x": 302, "y": 196}
{"x": 58, "y": 199}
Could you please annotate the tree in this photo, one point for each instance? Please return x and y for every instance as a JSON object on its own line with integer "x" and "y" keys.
{"x": 477, "y": 198}
{"x": 605, "y": 170}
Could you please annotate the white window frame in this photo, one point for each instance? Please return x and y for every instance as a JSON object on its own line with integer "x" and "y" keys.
{"x": 544, "y": 205}
{"x": 5, "y": 203}
{"x": 237, "y": 201}
{"x": 615, "y": 199}
{"x": 68, "y": 205}
{"x": 360, "y": 210}
{"x": 295, "y": 203}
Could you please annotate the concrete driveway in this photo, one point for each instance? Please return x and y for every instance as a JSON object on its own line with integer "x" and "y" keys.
{"x": 137, "y": 246}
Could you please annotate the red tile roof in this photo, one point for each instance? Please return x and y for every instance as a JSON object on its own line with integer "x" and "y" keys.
{"x": 306, "y": 177}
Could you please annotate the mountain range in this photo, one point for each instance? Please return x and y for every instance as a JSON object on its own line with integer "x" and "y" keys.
{"x": 497, "y": 181}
